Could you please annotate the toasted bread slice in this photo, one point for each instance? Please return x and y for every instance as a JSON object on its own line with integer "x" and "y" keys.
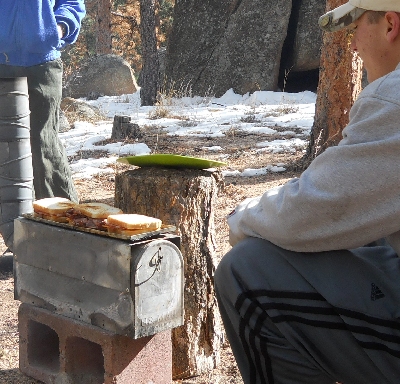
{"x": 126, "y": 232}
{"x": 52, "y": 205}
{"x": 132, "y": 221}
{"x": 53, "y": 208}
{"x": 96, "y": 210}
{"x": 57, "y": 218}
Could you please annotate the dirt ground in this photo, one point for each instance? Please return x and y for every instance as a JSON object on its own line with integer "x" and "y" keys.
{"x": 240, "y": 150}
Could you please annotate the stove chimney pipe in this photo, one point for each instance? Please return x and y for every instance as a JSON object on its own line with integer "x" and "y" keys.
{"x": 16, "y": 172}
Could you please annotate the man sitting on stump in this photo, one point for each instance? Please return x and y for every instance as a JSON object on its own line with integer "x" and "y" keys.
{"x": 310, "y": 291}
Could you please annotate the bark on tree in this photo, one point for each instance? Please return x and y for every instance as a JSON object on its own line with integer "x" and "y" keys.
{"x": 103, "y": 36}
{"x": 184, "y": 198}
{"x": 150, "y": 67}
{"x": 339, "y": 85}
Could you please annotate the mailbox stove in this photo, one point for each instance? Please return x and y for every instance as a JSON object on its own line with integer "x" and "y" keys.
{"x": 127, "y": 287}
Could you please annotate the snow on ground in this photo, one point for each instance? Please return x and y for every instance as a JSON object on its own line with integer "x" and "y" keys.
{"x": 260, "y": 112}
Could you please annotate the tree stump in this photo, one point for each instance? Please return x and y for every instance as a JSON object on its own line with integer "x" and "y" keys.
{"x": 123, "y": 129}
{"x": 186, "y": 199}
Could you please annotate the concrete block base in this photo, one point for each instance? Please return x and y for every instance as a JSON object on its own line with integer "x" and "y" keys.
{"x": 56, "y": 349}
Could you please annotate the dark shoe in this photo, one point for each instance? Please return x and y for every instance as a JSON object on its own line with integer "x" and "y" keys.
{"x": 8, "y": 252}
{"x": 6, "y": 261}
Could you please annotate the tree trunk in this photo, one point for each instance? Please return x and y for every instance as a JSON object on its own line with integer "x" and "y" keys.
{"x": 184, "y": 198}
{"x": 339, "y": 85}
{"x": 150, "y": 68}
{"x": 103, "y": 38}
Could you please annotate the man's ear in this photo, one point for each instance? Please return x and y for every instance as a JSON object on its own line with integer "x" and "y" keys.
{"x": 393, "y": 25}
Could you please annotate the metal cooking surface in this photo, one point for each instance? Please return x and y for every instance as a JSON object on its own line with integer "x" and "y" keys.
{"x": 164, "y": 229}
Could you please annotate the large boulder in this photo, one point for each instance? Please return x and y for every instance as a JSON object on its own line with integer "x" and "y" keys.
{"x": 103, "y": 75}
{"x": 64, "y": 124}
{"x": 77, "y": 110}
{"x": 306, "y": 50}
{"x": 246, "y": 45}
{"x": 197, "y": 28}
{"x": 218, "y": 45}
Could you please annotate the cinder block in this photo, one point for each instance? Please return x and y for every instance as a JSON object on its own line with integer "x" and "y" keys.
{"x": 57, "y": 349}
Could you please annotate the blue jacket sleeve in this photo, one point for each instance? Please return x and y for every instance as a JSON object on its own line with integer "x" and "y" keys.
{"x": 70, "y": 13}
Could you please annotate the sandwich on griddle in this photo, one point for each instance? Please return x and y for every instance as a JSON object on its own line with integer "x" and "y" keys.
{"x": 53, "y": 208}
{"x": 91, "y": 215}
{"x": 129, "y": 224}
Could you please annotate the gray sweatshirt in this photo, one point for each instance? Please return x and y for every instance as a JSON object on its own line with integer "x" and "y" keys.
{"x": 348, "y": 196}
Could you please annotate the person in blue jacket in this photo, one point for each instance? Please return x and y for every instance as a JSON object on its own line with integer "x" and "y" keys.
{"x": 32, "y": 34}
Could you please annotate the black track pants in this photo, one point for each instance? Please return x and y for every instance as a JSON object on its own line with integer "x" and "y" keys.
{"x": 311, "y": 318}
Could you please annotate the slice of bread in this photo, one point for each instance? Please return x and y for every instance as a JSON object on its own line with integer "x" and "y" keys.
{"x": 126, "y": 232}
{"x": 53, "y": 208}
{"x": 132, "y": 221}
{"x": 52, "y": 205}
{"x": 96, "y": 210}
{"x": 57, "y": 218}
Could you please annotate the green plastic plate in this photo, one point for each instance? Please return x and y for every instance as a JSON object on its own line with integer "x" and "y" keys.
{"x": 172, "y": 161}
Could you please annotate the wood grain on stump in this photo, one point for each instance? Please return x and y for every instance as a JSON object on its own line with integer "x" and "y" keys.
{"x": 185, "y": 198}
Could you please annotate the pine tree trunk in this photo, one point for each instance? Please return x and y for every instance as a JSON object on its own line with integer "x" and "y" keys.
{"x": 150, "y": 68}
{"x": 103, "y": 38}
{"x": 184, "y": 198}
{"x": 339, "y": 85}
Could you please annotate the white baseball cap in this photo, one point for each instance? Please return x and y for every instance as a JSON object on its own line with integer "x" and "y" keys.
{"x": 341, "y": 17}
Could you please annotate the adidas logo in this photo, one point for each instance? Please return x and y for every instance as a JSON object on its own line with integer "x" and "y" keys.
{"x": 376, "y": 293}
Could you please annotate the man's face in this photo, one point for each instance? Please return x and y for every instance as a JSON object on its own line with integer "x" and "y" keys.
{"x": 369, "y": 42}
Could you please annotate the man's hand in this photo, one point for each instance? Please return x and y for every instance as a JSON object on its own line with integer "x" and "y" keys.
{"x": 235, "y": 230}
{"x": 61, "y": 30}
